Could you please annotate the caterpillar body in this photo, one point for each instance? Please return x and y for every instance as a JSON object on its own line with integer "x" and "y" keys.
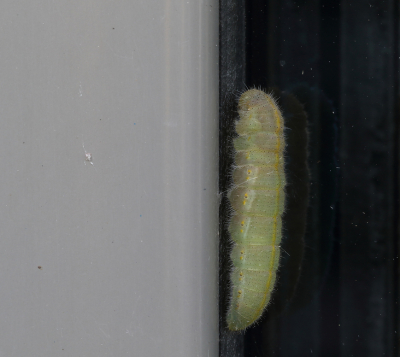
{"x": 257, "y": 200}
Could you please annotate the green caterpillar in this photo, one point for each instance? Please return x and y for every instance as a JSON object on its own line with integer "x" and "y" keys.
{"x": 258, "y": 200}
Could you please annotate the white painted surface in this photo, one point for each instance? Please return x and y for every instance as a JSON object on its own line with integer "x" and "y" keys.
{"x": 127, "y": 247}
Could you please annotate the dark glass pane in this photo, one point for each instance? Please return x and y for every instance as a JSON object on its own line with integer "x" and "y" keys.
{"x": 337, "y": 292}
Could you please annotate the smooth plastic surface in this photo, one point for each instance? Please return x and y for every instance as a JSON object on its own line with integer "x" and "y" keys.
{"x": 118, "y": 258}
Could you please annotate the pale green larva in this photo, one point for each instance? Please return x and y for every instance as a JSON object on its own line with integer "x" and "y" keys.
{"x": 258, "y": 200}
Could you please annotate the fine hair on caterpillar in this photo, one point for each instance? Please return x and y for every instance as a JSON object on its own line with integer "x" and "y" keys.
{"x": 257, "y": 199}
